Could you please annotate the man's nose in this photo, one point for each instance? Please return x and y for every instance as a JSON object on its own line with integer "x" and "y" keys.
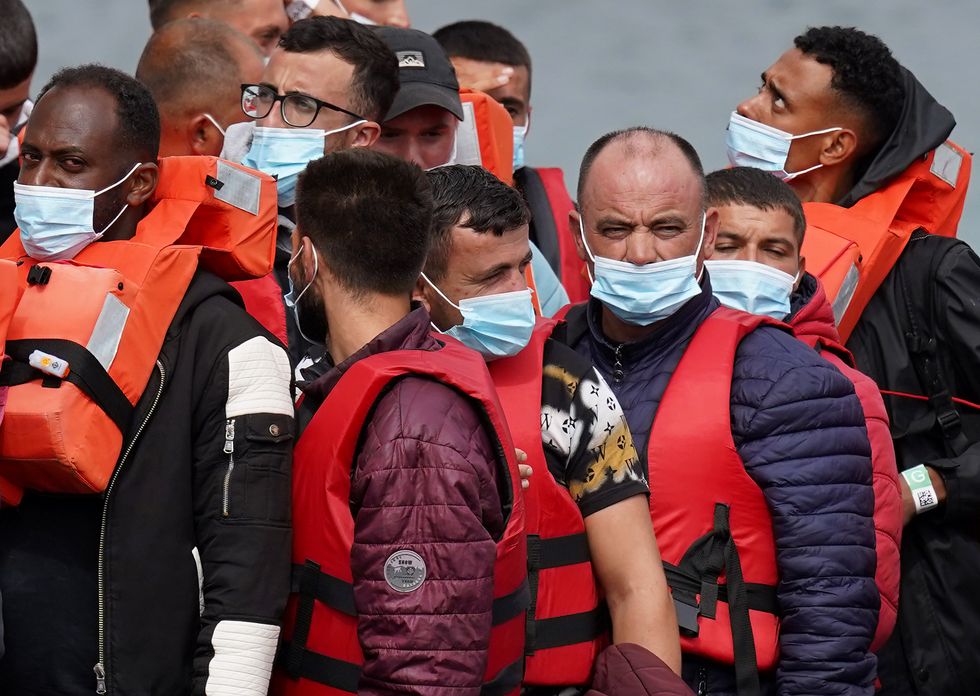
{"x": 751, "y": 107}
{"x": 641, "y": 249}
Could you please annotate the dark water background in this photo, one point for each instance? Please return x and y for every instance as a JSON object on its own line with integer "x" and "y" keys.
{"x": 602, "y": 64}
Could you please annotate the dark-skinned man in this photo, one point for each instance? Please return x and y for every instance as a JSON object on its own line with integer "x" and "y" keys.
{"x": 325, "y": 89}
{"x": 263, "y": 21}
{"x": 756, "y": 448}
{"x": 883, "y": 189}
{"x": 489, "y": 58}
{"x": 172, "y": 580}
{"x": 577, "y": 440}
{"x": 756, "y": 266}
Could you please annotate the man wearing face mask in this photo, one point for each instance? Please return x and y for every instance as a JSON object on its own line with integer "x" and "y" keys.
{"x": 882, "y": 207}
{"x": 263, "y": 21}
{"x": 408, "y": 546}
{"x": 148, "y": 420}
{"x": 194, "y": 68}
{"x": 489, "y": 58}
{"x": 756, "y": 266}
{"x": 18, "y": 58}
{"x": 325, "y": 89}
{"x": 758, "y": 458}
{"x": 577, "y": 440}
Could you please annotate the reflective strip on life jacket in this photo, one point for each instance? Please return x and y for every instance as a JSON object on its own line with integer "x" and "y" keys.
{"x": 567, "y": 623}
{"x": 712, "y": 523}
{"x": 853, "y": 249}
{"x": 323, "y": 654}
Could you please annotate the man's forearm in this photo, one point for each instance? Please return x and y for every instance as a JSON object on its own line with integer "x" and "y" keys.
{"x": 645, "y": 615}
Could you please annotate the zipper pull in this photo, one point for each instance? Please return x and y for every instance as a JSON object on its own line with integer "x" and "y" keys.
{"x": 100, "y": 687}
{"x": 618, "y": 372}
{"x": 229, "y": 436}
{"x": 702, "y": 682}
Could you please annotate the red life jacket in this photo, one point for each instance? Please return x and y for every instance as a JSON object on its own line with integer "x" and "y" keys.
{"x": 567, "y": 624}
{"x": 851, "y": 250}
{"x": 263, "y": 300}
{"x": 547, "y": 197}
{"x": 712, "y": 523}
{"x": 322, "y": 654}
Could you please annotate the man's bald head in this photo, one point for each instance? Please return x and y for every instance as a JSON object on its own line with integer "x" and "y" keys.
{"x": 640, "y": 142}
{"x": 263, "y": 21}
{"x": 197, "y": 65}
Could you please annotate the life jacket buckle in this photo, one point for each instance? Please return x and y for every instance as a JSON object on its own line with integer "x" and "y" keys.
{"x": 687, "y": 614}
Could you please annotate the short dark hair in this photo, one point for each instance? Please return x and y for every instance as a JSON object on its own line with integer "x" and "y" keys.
{"x": 370, "y": 215}
{"x": 139, "y": 120}
{"x": 866, "y": 75}
{"x": 375, "y": 79}
{"x": 191, "y": 64}
{"x": 476, "y": 39}
{"x": 757, "y": 188}
{"x": 472, "y": 193}
{"x": 18, "y": 44}
{"x": 596, "y": 148}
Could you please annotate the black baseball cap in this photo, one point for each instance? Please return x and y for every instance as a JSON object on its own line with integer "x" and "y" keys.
{"x": 424, "y": 70}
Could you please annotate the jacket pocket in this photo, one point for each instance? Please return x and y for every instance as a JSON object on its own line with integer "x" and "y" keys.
{"x": 256, "y": 484}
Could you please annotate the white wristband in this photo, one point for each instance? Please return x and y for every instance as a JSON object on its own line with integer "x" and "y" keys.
{"x": 923, "y": 494}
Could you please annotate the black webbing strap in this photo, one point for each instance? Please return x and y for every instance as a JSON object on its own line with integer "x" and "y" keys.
{"x": 561, "y": 551}
{"x": 337, "y": 674}
{"x": 85, "y": 372}
{"x": 696, "y": 593}
{"x": 512, "y": 605}
{"x": 924, "y": 354}
{"x": 570, "y": 629}
{"x": 324, "y": 588}
{"x": 507, "y": 680}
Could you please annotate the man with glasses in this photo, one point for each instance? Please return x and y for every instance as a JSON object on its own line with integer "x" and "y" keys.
{"x": 325, "y": 89}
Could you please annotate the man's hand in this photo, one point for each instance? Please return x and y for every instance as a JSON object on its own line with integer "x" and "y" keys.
{"x": 329, "y": 8}
{"x": 524, "y": 469}
{"x": 908, "y": 502}
{"x": 480, "y": 76}
{"x": 5, "y": 136}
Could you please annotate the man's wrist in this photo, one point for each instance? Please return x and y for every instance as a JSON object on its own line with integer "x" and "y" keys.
{"x": 920, "y": 483}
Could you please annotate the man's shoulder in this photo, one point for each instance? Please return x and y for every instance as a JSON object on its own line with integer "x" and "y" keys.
{"x": 770, "y": 353}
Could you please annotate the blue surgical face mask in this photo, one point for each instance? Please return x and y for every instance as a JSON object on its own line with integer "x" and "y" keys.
{"x": 520, "y": 136}
{"x": 754, "y": 144}
{"x": 643, "y": 295}
{"x": 497, "y": 326}
{"x": 751, "y": 287}
{"x": 284, "y": 154}
{"x": 57, "y": 223}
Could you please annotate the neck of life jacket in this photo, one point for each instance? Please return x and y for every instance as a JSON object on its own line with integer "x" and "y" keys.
{"x": 86, "y": 333}
{"x": 712, "y": 523}
{"x": 567, "y": 622}
{"x": 322, "y": 653}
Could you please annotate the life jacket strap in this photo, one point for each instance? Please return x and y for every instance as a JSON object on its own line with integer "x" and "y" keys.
{"x": 85, "y": 372}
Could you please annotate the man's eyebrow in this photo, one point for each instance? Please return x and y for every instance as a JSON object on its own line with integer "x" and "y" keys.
{"x": 512, "y": 101}
{"x": 613, "y": 220}
{"x": 669, "y": 219}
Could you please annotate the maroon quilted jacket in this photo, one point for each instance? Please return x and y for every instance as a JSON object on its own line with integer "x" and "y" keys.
{"x": 631, "y": 670}
{"x": 425, "y": 480}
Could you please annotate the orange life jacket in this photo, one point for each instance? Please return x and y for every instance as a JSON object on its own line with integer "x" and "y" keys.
{"x": 9, "y": 295}
{"x": 852, "y": 249}
{"x": 567, "y": 624}
{"x": 712, "y": 523}
{"x": 86, "y": 333}
{"x": 486, "y": 135}
{"x": 322, "y": 654}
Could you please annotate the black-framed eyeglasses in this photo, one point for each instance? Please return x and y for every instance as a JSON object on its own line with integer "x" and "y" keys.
{"x": 298, "y": 110}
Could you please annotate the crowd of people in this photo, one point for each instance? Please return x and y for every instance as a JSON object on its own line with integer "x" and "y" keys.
{"x": 311, "y": 385}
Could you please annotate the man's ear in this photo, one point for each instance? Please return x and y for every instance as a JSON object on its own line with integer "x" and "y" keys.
{"x": 574, "y": 229}
{"x": 420, "y": 293}
{"x": 144, "y": 183}
{"x": 800, "y": 273}
{"x": 365, "y": 135}
{"x": 203, "y": 137}
{"x": 711, "y": 221}
{"x": 839, "y": 146}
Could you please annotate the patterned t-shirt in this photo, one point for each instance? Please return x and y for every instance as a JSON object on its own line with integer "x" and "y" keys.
{"x": 587, "y": 443}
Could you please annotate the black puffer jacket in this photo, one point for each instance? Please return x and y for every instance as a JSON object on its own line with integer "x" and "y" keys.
{"x": 195, "y": 525}
{"x": 935, "y": 285}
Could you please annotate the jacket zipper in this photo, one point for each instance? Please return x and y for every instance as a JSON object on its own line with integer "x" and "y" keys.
{"x": 702, "y": 682}
{"x": 228, "y": 449}
{"x": 618, "y": 372}
{"x": 100, "y": 673}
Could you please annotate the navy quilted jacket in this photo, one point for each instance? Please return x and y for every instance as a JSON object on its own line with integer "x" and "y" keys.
{"x": 800, "y": 431}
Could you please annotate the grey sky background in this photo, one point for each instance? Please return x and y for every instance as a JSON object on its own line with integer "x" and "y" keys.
{"x": 599, "y": 66}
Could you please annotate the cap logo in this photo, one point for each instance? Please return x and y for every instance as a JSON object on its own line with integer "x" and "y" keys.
{"x": 410, "y": 59}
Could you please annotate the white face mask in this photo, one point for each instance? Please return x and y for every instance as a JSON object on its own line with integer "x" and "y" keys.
{"x": 754, "y": 144}
{"x": 57, "y": 223}
{"x": 452, "y": 156}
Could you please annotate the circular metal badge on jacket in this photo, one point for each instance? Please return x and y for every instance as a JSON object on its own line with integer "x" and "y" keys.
{"x": 405, "y": 571}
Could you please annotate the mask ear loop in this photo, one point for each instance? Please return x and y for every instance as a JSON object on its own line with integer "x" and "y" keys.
{"x": 581, "y": 229}
{"x": 125, "y": 206}
{"x": 441, "y": 294}
{"x": 697, "y": 251}
{"x": 316, "y": 270}
{"x": 215, "y": 124}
